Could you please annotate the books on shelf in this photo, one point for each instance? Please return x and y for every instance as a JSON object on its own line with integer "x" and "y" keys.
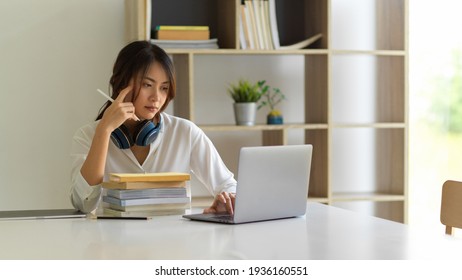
{"x": 172, "y": 32}
{"x": 254, "y": 25}
{"x": 259, "y": 28}
{"x": 184, "y": 37}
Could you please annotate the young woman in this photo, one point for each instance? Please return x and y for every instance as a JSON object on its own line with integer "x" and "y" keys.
{"x": 133, "y": 134}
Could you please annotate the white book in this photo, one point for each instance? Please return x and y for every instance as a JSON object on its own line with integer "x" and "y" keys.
{"x": 144, "y": 213}
{"x": 147, "y": 193}
{"x": 249, "y": 26}
{"x": 145, "y": 201}
{"x": 268, "y": 36}
{"x": 258, "y": 23}
{"x": 273, "y": 23}
{"x": 261, "y": 10}
{"x": 149, "y": 207}
{"x": 253, "y": 23}
{"x": 242, "y": 40}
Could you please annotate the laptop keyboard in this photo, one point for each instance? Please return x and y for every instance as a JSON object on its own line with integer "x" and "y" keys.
{"x": 225, "y": 218}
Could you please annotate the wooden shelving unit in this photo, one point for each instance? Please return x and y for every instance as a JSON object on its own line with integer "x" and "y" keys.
{"x": 333, "y": 100}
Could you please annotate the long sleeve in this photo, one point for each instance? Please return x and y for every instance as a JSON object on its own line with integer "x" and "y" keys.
{"x": 83, "y": 196}
{"x": 208, "y": 166}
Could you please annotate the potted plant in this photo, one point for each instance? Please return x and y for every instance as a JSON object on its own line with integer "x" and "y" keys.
{"x": 271, "y": 97}
{"x": 245, "y": 96}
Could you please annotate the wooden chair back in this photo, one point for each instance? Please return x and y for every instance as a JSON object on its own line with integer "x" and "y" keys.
{"x": 451, "y": 205}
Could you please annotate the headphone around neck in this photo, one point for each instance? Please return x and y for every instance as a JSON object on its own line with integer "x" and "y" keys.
{"x": 145, "y": 133}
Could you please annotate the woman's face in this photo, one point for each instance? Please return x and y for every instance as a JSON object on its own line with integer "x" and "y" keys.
{"x": 153, "y": 92}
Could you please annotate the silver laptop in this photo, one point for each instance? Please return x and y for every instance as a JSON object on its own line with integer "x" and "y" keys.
{"x": 273, "y": 184}
{"x": 41, "y": 214}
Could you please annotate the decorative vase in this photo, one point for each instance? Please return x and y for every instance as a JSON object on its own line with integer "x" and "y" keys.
{"x": 274, "y": 117}
{"x": 245, "y": 113}
{"x": 271, "y": 119}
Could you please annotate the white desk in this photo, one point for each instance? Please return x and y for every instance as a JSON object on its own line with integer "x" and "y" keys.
{"x": 325, "y": 233}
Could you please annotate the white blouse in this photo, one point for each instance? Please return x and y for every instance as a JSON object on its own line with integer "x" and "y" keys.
{"x": 180, "y": 147}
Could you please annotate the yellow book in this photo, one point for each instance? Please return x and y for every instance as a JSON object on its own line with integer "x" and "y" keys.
{"x": 183, "y": 34}
{"x": 143, "y": 185}
{"x": 149, "y": 177}
{"x": 182, "y": 27}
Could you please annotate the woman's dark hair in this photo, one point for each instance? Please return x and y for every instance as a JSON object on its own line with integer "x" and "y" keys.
{"x": 133, "y": 62}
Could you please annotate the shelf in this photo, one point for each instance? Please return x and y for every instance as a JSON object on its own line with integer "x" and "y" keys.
{"x": 351, "y": 103}
{"x": 318, "y": 199}
{"x": 243, "y": 52}
{"x": 370, "y": 52}
{"x": 337, "y": 197}
{"x": 260, "y": 127}
{"x": 369, "y": 125}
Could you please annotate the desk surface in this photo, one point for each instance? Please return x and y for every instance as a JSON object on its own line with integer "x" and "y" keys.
{"x": 325, "y": 232}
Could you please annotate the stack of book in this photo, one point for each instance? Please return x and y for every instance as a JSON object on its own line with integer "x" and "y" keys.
{"x": 146, "y": 195}
{"x": 258, "y": 28}
{"x": 185, "y": 37}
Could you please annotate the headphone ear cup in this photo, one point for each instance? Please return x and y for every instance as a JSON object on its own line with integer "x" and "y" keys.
{"x": 147, "y": 133}
{"x": 121, "y": 138}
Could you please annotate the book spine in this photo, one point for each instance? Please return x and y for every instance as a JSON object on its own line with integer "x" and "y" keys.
{"x": 150, "y": 207}
{"x": 183, "y": 34}
{"x": 258, "y": 24}
{"x": 261, "y": 9}
{"x": 242, "y": 31}
{"x": 273, "y": 23}
{"x": 269, "y": 36}
{"x": 248, "y": 26}
{"x": 253, "y": 23}
{"x": 144, "y": 213}
{"x": 182, "y": 27}
{"x": 148, "y": 193}
{"x": 144, "y": 201}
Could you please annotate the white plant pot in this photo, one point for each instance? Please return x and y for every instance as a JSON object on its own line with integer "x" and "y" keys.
{"x": 245, "y": 113}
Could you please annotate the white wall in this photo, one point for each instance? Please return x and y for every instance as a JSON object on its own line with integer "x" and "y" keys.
{"x": 53, "y": 56}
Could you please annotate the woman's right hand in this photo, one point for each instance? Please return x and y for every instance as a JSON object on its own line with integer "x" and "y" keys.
{"x": 119, "y": 111}
{"x": 115, "y": 115}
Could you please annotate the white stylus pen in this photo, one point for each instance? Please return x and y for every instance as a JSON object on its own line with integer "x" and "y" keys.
{"x": 105, "y": 95}
{"x": 112, "y": 100}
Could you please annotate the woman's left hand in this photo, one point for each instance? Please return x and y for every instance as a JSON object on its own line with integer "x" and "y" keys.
{"x": 223, "y": 203}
